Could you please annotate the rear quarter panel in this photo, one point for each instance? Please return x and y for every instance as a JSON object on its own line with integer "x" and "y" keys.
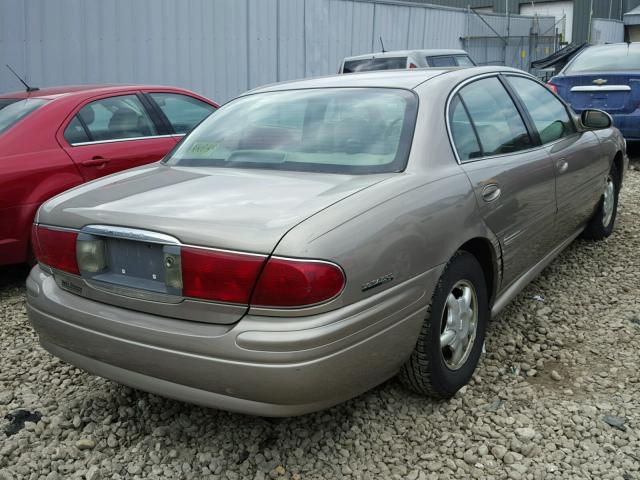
{"x": 33, "y": 168}
{"x": 404, "y": 226}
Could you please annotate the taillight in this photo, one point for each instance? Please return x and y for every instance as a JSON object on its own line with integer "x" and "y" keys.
{"x": 55, "y": 248}
{"x": 219, "y": 275}
{"x": 413, "y": 65}
{"x": 552, "y": 87}
{"x": 297, "y": 283}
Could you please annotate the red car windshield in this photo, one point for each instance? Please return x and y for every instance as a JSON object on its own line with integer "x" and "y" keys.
{"x": 13, "y": 110}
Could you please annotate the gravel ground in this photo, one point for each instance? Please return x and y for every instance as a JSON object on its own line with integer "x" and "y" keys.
{"x": 557, "y": 395}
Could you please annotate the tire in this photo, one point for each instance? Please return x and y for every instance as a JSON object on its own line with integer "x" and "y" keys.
{"x": 603, "y": 221}
{"x": 431, "y": 369}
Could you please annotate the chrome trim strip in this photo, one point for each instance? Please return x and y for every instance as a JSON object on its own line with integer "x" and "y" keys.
{"x": 116, "y": 140}
{"x": 604, "y": 88}
{"x": 130, "y": 234}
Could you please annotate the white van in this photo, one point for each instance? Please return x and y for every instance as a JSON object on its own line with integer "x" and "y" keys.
{"x": 400, "y": 59}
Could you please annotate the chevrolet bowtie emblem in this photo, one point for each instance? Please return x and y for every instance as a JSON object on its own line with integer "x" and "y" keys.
{"x": 599, "y": 81}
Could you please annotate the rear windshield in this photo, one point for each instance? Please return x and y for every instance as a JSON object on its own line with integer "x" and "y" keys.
{"x": 12, "y": 110}
{"x": 335, "y": 130}
{"x": 369, "y": 64}
{"x": 7, "y": 101}
{"x": 611, "y": 57}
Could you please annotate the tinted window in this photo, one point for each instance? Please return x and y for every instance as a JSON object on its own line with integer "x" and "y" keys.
{"x": 7, "y": 101}
{"x": 608, "y": 57}
{"x": 548, "y": 114}
{"x": 339, "y": 130}
{"x": 497, "y": 121}
{"x": 464, "y": 137}
{"x": 368, "y": 64}
{"x": 15, "y": 111}
{"x": 442, "y": 61}
{"x": 75, "y": 132}
{"x": 115, "y": 118}
{"x": 182, "y": 111}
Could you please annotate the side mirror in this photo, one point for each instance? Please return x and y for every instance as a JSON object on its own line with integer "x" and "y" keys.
{"x": 595, "y": 119}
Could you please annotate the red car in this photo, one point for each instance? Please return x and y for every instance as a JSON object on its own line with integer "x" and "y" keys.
{"x": 56, "y": 138}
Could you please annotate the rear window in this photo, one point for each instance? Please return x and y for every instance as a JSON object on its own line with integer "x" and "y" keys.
{"x": 15, "y": 110}
{"x": 7, "y": 101}
{"x": 335, "y": 130}
{"x": 369, "y": 64}
{"x": 610, "y": 57}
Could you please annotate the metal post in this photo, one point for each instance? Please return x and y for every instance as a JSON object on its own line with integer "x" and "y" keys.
{"x": 590, "y": 20}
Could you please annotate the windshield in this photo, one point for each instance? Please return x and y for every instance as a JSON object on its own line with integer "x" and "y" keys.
{"x": 369, "y": 64}
{"x": 336, "y": 130}
{"x": 610, "y": 57}
{"x": 12, "y": 111}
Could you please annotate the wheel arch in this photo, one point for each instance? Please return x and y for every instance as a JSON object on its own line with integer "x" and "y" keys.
{"x": 487, "y": 254}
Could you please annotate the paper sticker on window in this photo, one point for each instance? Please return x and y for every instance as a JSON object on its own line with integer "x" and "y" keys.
{"x": 203, "y": 148}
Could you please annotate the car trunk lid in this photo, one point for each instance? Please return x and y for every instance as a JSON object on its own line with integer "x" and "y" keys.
{"x": 144, "y": 216}
{"x": 611, "y": 92}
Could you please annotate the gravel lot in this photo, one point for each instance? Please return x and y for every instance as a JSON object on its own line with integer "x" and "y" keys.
{"x": 557, "y": 395}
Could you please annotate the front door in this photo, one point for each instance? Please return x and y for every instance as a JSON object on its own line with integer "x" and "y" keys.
{"x": 114, "y": 133}
{"x": 513, "y": 178}
{"x": 579, "y": 163}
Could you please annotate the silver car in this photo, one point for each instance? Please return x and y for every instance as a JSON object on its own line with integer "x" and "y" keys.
{"x": 399, "y": 59}
{"x": 312, "y": 239}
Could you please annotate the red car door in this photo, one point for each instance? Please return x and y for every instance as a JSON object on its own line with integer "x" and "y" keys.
{"x": 111, "y": 133}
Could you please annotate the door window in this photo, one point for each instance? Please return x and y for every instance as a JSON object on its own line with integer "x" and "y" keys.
{"x": 499, "y": 125}
{"x": 464, "y": 137}
{"x": 547, "y": 112}
{"x": 112, "y": 118}
{"x": 182, "y": 111}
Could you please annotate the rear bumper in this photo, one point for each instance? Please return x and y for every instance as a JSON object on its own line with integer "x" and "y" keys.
{"x": 261, "y": 365}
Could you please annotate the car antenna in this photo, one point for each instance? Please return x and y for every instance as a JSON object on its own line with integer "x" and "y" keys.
{"x": 29, "y": 89}
{"x": 382, "y": 43}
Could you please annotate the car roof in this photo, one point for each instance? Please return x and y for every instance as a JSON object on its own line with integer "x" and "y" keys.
{"x": 405, "y": 53}
{"x": 403, "y": 78}
{"x": 52, "y": 93}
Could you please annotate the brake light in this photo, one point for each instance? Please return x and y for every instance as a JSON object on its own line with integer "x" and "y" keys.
{"x": 297, "y": 283}
{"x": 552, "y": 87}
{"x": 55, "y": 248}
{"x": 219, "y": 275}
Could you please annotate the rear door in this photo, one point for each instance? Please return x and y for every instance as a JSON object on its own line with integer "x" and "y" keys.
{"x": 179, "y": 111}
{"x": 578, "y": 160}
{"x": 512, "y": 176}
{"x": 113, "y": 133}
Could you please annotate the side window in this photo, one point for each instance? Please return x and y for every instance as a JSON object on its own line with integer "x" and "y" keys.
{"x": 464, "y": 61}
{"x": 442, "y": 61}
{"x": 462, "y": 131}
{"x": 498, "y": 123}
{"x": 114, "y": 118}
{"x": 548, "y": 114}
{"x": 182, "y": 111}
{"x": 75, "y": 132}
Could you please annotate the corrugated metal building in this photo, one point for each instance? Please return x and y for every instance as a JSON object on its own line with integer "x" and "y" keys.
{"x": 223, "y": 47}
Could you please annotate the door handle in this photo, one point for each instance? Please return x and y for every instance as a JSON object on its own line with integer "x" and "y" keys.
{"x": 491, "y": 192}
{"x": 95, "y": 162}
{"x": 562, "y": 165}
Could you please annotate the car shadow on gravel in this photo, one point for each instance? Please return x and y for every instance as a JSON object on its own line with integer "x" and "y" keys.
{"x": 13, "y": 276}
